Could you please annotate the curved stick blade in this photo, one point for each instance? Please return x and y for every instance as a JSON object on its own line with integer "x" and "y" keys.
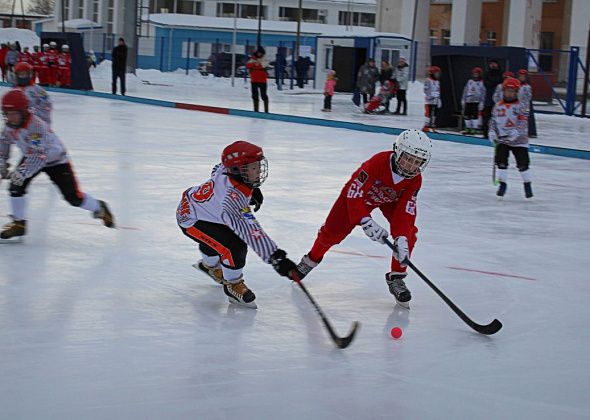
{"x": 492, "y": 328}
{"x": 343, "y": 342}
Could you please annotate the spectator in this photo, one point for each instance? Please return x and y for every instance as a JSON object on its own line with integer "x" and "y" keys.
{"x": 308, "y": 64}
{"x": 329, "y": 90}
{"x": 525, "y": 97}
{"x": 366, "y": 79}
{"x": 258, "y": 78}
{"x": 402, "y": 76}
{"x": 301, "y": 67}
{"x": 3, "y": 51}
{"x": 385, "y": 75}
{"x": 11, "y": 59}
{"x": 25, "y": 56}
{"x": 91, "y": 59}
{"x": 280, "y": 66}
{"x": 119, "y": 55}
{"x": 492, "y": 78}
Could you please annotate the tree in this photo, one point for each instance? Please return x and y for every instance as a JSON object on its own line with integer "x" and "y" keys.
{"x": 41, "y": 7}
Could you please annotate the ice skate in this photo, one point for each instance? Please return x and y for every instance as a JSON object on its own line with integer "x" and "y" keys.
{"x": 214, "y": 272}
{"x": 13, "y": 232}
{"x": 238, "y": 293}
{"x": 501, "y": 190}
{"x": 305, "y": 266}
{"x": 528, "y": 190}
{"x": 105, "y": 215}
{"x": 397, "y": 287}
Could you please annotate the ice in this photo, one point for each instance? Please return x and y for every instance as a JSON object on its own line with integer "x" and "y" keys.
{"x": 99, "y": 323}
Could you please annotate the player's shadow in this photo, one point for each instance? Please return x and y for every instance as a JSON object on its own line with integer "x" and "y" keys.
{"x": 399, "y": 317}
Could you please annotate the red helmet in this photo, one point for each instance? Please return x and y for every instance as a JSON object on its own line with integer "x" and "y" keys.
{"x": 22, "y": 67}
{"x": 511, "y": 83}
{"x": 523, "y": 72}
{"x": 507, "y": 74}
{"x": 477, "y": 70}
{"x": 434, "y": 69}
{"x": 15, "y": 100}
{"x": 246, "y": 162}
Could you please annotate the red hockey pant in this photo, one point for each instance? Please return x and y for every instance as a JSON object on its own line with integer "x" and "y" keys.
{"x": 338, "y": 226}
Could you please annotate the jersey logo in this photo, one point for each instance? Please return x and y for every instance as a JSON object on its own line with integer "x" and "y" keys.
{"x": 354, "y": 191}
{"x": 509, "y": 124}
{"x": 247, "y": 214}
{"x": 411, "y": 208}
{"x": 204, "y": 192}
{"x": 362, "y": 177}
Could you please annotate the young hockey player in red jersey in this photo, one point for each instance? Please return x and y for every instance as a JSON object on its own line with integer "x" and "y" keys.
{"x": 389, "y": 181}
{"x": 509, "y": 133}
{"x": 51, "y": 57}
{"x": 39, "y": 102}
{"x": 43, "y": 70}
{"x": 432, "y": 99}
{"x": 216, "y": 214}
{"x": 42, "y": 152}
{"x": 64, "y": 64}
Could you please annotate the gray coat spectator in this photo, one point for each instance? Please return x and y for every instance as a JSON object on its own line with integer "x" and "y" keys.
{"x": 402, "y": 75}
{"x": 12, "y": 56}
{"x": 366, "y": 79}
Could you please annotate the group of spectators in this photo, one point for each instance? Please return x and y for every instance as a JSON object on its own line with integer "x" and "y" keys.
{"x": 392, "y": 80}
{"x": 51, "y": 66}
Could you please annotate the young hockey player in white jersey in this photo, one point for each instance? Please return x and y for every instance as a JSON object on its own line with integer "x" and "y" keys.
{"x": 525, "y": 93}
{"x": 217, "y": 215}
{"x": 509, "y": 133}
{"x": 42, "y": 152}
{"x": 39, "y": 102}
{"x": 499, "y": 92}
{"x": 474, "y": 94}
{"x": 431, "y": 98}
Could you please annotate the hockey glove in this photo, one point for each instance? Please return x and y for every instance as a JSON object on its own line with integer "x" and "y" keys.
{"x": 373, "y": 230}
{"x": 281, "y": 263}
{"x": 17, "y": 178}
{"x": 256, "y": 199}
{"x": 402, "y": 250}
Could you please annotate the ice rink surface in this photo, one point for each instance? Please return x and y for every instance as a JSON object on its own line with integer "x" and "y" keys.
{"x": 116, "y": 324}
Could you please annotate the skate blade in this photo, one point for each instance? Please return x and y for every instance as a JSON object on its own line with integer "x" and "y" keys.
{"x": 196, "y": 266}
{"x": 18, "y": 240}
{"x": 251, "y": 305}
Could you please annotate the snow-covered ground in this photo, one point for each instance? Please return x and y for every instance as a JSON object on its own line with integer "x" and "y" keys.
{"x": 553, "y": 130}
{"x": 25, "y": 37}
{"x": 116, "y": 324}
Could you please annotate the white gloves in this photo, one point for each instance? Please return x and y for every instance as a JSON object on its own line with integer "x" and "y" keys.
{"x": 438, "y": 103}
{"x": 17, "y": 178}
{"x": 401, "y": 249}
{"x": 373, "y": 230}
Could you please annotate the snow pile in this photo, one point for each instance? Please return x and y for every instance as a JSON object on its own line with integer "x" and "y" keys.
{"x": 25, "y": 37}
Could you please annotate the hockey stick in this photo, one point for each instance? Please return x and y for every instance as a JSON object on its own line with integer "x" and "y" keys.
{"x": 489, "y": 329}
{"x": 341, "y": 342}
{"x": 495, "y": 181}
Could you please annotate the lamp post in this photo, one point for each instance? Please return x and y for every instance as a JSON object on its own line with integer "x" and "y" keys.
{"x": 259, "y": 35}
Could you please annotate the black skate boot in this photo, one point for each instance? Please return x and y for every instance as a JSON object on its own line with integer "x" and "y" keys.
{"x": 397, "y": 287}
{"x": 13, "y": 231}
{"x": 238, "y": 293}
{"x": 528, "y": 190}
{"x": 501, "y": 190}
{"x": 105, "y": 215}
{"x": 305, "y": 266}
{"x": 214, "y": 272}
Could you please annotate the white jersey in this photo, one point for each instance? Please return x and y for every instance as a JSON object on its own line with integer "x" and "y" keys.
{"x": 498, "y": 94}
{"x": 474, "y": 92}
{"x": 39, "y": 145}
{"x": 431, "y": 91}
{"x": 225, "y": 201}
{"x": 509, "y": 124}
{"x": 525, "y": 95}
{"x": 39, "y": 102}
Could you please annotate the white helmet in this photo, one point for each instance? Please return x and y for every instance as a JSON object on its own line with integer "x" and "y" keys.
{"x": 412, "y": 150}
{"x": 45, "y": 46}
{"x": 53, "y": 44}
{"x": 65, "y": 47}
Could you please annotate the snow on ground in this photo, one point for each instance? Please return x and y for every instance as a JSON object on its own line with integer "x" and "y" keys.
{"x": 116, "y": 324}
{"x": 553, "y": 130}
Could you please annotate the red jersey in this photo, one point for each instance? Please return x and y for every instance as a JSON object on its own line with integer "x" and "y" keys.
{"x": 36, "y": 57}
{"x": 64, "y": 60}
{"x": 374, "y": 185}
{"x": 257, "y": 71}
{"x": 25, "y": 57}
{"x": 51, "y": 57}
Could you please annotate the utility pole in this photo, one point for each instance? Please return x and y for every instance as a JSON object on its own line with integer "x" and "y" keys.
{"x": 259, "y": 35}
{"x": 299, "y": 16}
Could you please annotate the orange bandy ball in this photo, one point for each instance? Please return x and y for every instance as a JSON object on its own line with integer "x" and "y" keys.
{"x": 396, "y": 332}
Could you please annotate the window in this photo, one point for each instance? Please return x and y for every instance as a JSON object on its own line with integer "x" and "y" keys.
{"x": 110, "y": 15}
{"x": 81, "y": 9}
{"x": 188, "y": 7}
{"x": 250, "y": 11}
{"x": 95, "y": 8}
{"x": 546, "y": 57}
{"x": 307, "y": 15}
{"x": 328, "y": 58}
{"x": 446, "y": 37}
{"x": 433, "y": 37}
{"x": 491, "y": 38}
{"x": 66, "y": 9}
{"x": 356, "y": 19}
